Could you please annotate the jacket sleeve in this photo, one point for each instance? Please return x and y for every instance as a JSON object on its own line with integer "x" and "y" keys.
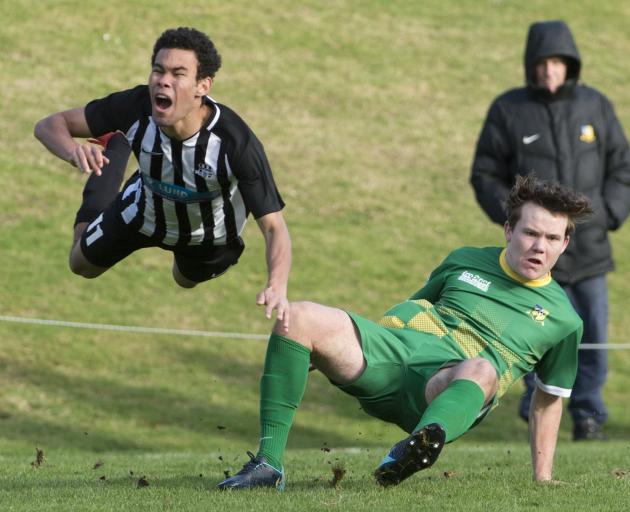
{"x": 617, "y": 173}
{"x": 490, "y": 175}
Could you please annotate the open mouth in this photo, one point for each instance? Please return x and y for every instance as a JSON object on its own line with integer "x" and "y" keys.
{"x": 162, "y": 101}
{"x": 534, "y": 261}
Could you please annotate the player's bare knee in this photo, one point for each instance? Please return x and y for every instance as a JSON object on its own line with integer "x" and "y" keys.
{"x": 79, "y": 228}
{"x": 76, "y": 269}
{"x": 80, "y": 266}
{"x": 80, "y": 269}
{"x": 486, "y": 376}
{"x": 184, "y": 283}
{"x": 480, "y": 371}
{"x": 483, "y": 365}
{"x": 297, "y": 311}
{"x": 181, "y": 280}
{"x": 302, "y": 310}
{"x": 76, "y": 265}
{"x": 304, "y": 320}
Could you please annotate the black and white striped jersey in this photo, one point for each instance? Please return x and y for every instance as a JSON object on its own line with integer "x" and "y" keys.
{"x": 193, "y": 191}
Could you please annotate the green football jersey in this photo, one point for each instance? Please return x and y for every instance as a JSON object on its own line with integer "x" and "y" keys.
{"x": 479, "y": 306}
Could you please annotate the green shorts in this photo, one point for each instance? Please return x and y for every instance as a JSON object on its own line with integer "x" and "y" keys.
{"x": 399, "y": 363}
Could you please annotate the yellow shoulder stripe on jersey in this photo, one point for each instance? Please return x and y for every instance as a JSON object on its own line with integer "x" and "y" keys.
{"x": 542, "y": 281}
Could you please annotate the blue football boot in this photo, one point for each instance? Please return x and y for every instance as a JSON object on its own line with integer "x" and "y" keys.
{"x": 255, "y": 473}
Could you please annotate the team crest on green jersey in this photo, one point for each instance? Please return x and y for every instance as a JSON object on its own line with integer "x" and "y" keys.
{"x": 539, "y": 314}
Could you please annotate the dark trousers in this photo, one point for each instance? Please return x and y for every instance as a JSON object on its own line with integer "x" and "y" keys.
{"x": 590, "y": 300}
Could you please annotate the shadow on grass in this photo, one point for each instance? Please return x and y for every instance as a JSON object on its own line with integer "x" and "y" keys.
{"x": 210, "y": 398}
{"x": 119, "y": 411}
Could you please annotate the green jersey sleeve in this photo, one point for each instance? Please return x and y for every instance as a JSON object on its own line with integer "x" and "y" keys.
{"x": 432, "y": 289}
{"x": 556, "y": 370}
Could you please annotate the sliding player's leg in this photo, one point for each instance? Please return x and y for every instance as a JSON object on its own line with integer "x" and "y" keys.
{"x": 455, "y": 398}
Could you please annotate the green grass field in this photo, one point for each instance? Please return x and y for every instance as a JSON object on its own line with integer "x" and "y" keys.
{"x": 369, "y": 112}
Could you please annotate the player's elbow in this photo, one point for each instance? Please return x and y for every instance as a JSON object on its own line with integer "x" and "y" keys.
{"x": 44, "y": 127}
{"x": 83, "y": 272}
{"x": 83, "y": 269}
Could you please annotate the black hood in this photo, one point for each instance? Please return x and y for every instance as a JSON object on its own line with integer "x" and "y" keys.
{"x": 551, "y": 39}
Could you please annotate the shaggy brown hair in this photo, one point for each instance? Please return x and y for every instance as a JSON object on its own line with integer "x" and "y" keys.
{"x": 554, "y": 197}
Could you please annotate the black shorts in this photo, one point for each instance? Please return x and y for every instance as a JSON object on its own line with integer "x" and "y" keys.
{"x": 107, "y": 240}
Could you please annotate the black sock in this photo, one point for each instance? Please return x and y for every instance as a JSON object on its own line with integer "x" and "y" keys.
{"x": 100, "y": 191}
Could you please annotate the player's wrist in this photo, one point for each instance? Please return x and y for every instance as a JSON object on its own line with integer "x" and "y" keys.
{"x": 71, "y": 154}
{"x": 276, "y": 287}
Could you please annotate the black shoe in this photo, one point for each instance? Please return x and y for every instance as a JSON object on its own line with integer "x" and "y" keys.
{"x": 588, "y": 430}
{"x": 419, "y": 451}
{"x": 256, "y": 473}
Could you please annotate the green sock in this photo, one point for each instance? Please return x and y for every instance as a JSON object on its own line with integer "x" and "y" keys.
{"x": 282, "y": 387}
{"x": 455, "y": 409}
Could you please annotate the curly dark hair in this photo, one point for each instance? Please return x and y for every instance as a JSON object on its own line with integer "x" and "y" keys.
{"x": 555, "y": 197}
{"x": 185, "y": 38}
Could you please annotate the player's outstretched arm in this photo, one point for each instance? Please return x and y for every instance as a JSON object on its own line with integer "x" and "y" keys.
{"x": 57, "y": 131}
{"x": 544, "y": 424}
{"x": 278, "y": 254}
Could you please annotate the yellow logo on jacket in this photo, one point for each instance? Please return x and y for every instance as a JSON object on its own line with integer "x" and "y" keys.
{"x": 539, "y": 314}
{"x": 587, "y": 133}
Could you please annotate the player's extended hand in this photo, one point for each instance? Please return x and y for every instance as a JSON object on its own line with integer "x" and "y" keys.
{"x": 88, "y": 158}
{"x": 278, "y": 301}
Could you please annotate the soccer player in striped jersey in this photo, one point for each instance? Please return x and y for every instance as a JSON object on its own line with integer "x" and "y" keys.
{"x": 439, "y": 361}
{"x": 201, "y": 171}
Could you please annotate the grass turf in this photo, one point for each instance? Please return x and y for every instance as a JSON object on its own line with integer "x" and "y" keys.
{"x": 369, "y": 112}
{"x": 468, "y": 476}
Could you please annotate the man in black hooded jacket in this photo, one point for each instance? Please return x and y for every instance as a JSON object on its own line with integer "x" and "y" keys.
{"x": 561, "y": 130}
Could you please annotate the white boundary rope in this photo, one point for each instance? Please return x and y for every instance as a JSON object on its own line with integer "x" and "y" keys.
{"x": 212, "y": 334}
{"x": 132, "y": 328}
